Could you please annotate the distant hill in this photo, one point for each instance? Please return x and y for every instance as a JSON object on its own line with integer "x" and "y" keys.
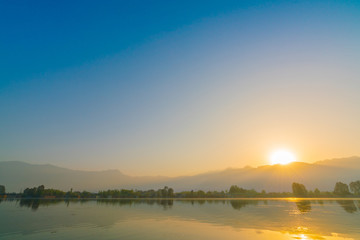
{"x": 18, "y": 175}
{"x": 323, "y": 175}
{"x": 275, "y": 178}
{"x": 350, "y": 162}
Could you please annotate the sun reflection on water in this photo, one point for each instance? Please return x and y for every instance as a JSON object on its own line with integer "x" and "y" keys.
{"x": 303, "y": 233}
{"x": 303, "y": 237}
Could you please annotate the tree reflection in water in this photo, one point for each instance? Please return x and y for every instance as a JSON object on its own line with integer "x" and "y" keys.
{"x": 165, "y": 203}
{"x": 347, "y": 205}
{"x": 239, "y": 204}
{"x": 304, "y": 206}
{"x": 34, "y": 204}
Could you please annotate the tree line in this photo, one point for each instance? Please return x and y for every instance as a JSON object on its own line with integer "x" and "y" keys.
{"x": 298, "y": 190}
{"x": 2, "y": 190}
{"x": 340, "y": 190}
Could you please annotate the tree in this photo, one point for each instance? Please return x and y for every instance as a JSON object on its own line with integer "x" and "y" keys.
{"x": 164, "y": 192}
{"x": 40, "y": 191}
{"x": 316, "y": 192}
{"x": 341, "y": 189}
{"x": 2, "y": 189}
{"x": 235, "y": 190}
{"x": 355, "y": 187}
{"x": 201, "y": 194}
{"x": 171, "y": 192}
{"x": 299, "y": 190}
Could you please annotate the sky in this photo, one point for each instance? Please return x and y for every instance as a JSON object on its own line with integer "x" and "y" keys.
{"x": 178, "y": 87}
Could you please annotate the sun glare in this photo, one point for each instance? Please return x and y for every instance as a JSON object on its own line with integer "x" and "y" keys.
{"x": 282, "y": 156}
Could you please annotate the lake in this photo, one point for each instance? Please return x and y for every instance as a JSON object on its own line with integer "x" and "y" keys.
{"x": 181, "y": 219}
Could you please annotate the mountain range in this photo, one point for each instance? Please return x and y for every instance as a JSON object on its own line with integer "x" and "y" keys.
{"x": 17, "y": 176}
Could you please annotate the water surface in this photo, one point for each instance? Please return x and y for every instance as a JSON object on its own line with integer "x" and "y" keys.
{"x": 180, "y": 219}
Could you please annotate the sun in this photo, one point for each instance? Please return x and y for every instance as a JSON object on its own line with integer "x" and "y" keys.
{"x": 282, "y": 156}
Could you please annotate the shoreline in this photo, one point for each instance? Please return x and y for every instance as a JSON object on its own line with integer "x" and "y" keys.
{"x": 193, "y": 199}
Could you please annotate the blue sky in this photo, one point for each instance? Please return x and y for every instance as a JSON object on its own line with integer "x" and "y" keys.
{"x": 160, "y": 87}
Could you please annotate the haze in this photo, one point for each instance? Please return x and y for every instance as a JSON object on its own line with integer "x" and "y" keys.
{"x": 178, "y": 88}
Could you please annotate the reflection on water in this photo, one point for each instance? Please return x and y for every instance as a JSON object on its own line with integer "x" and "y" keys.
{"x": 348, "y": 206}
{"x": 239, "y": 204}
{"x": 179, "y": 219}
{"x": 304, "y": 206}
{"x": 34, "y": 204}
{"x": 165, "y": 203}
